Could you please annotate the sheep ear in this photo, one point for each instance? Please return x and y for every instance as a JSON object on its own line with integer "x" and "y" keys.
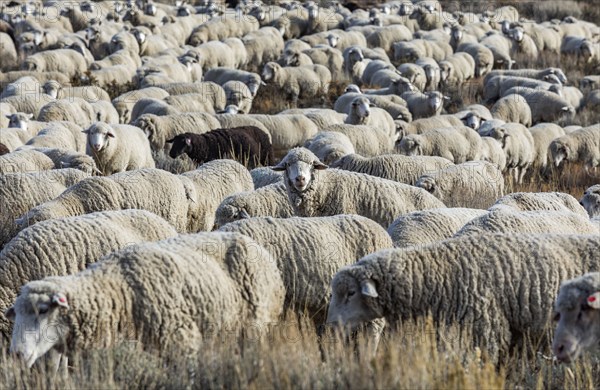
{"x": 593, "y": 300}
{"x": 29, "y": 116}
{"x": 565, "y": 108}
{"x": 279, "y": 167}
{"x": 170, "y": 140}
{"x": 8, "y": 116}
{"x": 367, "y": 288}
{"x": 243, "y": 214}
{"x": 318, "y": 165}
{"x": 60, "y": 299}
{"x": 110, "y": 134}
{"x": 86, "y": 131}
{"x": 188, "y": 141}
{"x": 10, "y": 313}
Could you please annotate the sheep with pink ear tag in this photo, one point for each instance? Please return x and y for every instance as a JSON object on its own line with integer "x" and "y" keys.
{"x": 577, "y": 313}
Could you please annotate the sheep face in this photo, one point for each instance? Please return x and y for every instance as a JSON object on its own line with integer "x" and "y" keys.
{"x": 445, "y": 71}
{"x": 20, "y": 120}
{"x": 435, "y": 100}
{"x": 410, "y": 146}
{"x": 333, "y": 40}
{"x": 350, "y": 304}
{"x": 352, "y": 88}
{"x": 457, "y": 33}
{"x": 51, "y": 88}
{"x": 269, "y": 71}
{"x": 577, "y": 313}
{"x": 299, "y": 166}
{"x": 559, "y": 151}
{"x": 473, "y": 121}
{"x": 98, "y": 135}
{"x": 355, "y": 55}
{"x": 428, "y": 184}
{"x": 360, "y": 108}
{"x": 38, "y": 324}
{"x": 591, "y": 201}
{"x": 181, "y": 144}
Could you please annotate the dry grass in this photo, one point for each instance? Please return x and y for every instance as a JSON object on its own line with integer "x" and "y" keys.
{"x": 417, "y": 356}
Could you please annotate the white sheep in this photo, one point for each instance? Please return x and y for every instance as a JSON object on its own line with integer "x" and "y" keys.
{"x": 298, "y": 82}
{"x": 545, "y": 106}
{"x": 386, "y": 37}
{"x": 424, "y": 105}
{"x": 591, "y": 201}
{"x": 330, "y": 146}
{"x": 361, "y": 113}
{"x": 491, "y": 151}
{"x": 429, "y": 226}
{"x": 303, "y": 249}
{"x": 238, "y": 94}
{"x": 579, "y": 146}
{"x": 396, "y": 167}
{"x": 240, "y": 276}
{"x": 457, "y": 68}
{"x": 458, "y": 144}
{"x": 55, "y": 247}
{"x": 417, "y": 48}
{"x": 419, "y": 126}
{"x": 518, "y": 145}
{"x": 576, "y": 311}
{"x": 74, "y": 110}
{"x": 543, "y": 134}
{"x": 118, "y": 148}
{"x": 538, "y": 201}
{"x": 125, "y": 102}
{"x": 222, "y": 75}
{"x": 313, "y": 190}
{"x": 484, "y": 277}
{"x": 512, "y": 108}
{"x": 393, "y": 104}
{"x": 473, "y": 184}
{"x": 366, "y": 140}
{"x": 482, "y": 55}
{"x": 66, "y": 61}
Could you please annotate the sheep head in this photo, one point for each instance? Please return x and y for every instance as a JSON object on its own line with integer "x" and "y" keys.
{"x": 591, "y": 201}
{"x": 577, "y": 314}
{"x": 98, "y": 135}
{"x": 182, "y": 143}
{"x": 19, "y": 120}
{"x": 270, "y": 70}
{"x": 37, "y": 314}
{"x": 410, "y": 145}
{"x": 299, "y": 166}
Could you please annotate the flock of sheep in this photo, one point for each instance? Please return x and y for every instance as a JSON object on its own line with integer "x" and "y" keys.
{"x": 377, "y": 210}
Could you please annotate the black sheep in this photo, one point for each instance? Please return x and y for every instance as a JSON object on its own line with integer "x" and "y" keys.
{"x": 3, "y": 149}
{"x": 246, "y": 144}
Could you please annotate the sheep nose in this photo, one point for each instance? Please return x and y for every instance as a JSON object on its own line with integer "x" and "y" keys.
{"x": 564, "y": 351}
{"x": 301, "y": 180}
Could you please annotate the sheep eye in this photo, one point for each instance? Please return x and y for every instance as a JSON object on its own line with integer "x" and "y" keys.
{"x": 351, "y": 293}
{"x": 556, "y": 317}
{"x": 43, "y": 309}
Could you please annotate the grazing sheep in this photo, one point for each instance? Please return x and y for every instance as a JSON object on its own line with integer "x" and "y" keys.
{"x": 237, "y": 285}
{"x": 393, "y": 104}
{"x": 500, "y": 47}
{"x": 537, "y": 74}
{"x": 89, "y": 93}
{"x": 528, "y": 222}
{"x": 539, "y": 201}
{"x": 543, "y": 134}
{"x": 512, "y": 108}
{"x": 415, "y": 74}
{"x": 330, "y": 146}
{"x": 62, "y": 135}
{"x": 20, "y": 192}
{"x": 55, "y": 247}
{"x": 395, "y": 167}
{"x": 573, "y": 96}
{"x": 418, "y": 48}
{"x": 67, "y": 158}
{"x": 268, "y": 201}
{"x": 386, "y": 37}
{"x": 104, "y": 111}
{"x": 366, "y": 140}
{"x": 498, "y": 86}
{"x": 74, "y": 110}
{"x": 118, "y": 148}
{"x": 25, "y": 161}
{"x": 222, "y": 75}
{"x": 298, "y": 82}
{"x": 313, "y": 193}
{"x": 576, "y": 311}
{"x": 237, "y": 93}
{"x": 473, "y": 184}
{"x": 152, "y": 106}
{"x": 482, "y": 286}
{"x": 420, "y": 126}
{"x": 591, "y": 201}
{"x": 523, "y": 43}
{"x": 457, "y": 68}
{"x": 66, "y": 61}
{"x": 482, "y": 55}
{"x": 545, "y": 106}
{"x": 428, "y": 226}
{"x": 161, "y": 128}
{"x": 247, "y": 145}
{"x": 491, "y": 151}
{"x": 518, "y": 145}
{"x": 124, "y": 103}
{"x": 458, "y": 144}
{"x": 303, "y": 247}
{"x": 187, "y": 201}
{"x": 579, "y": 146}
{"x": 424, "y": 105}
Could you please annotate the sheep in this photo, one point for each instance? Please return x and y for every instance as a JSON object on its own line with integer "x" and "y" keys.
{"x": 395, "y": 167}
{"x": 500, "y": 47}
{"x": 366, "y": 140}
{"x": 29, "y": 103}
{"x": 222, "y": 75}
{"x": 263, "y": 176}
{"x": 393, "y": 104}
{"x": 592, "y": 100}
{"x": 3, "y": 149}
{"x": 458, "y": 144}
{"x": 512, "y": 108}
{"x": 543, "y": 134}
{"x": 576, "y": 313}
{"x": 39, "y": 187}
{"x": 537, "y": 74}
{"x": 498, "y": 86}
{"x": 424, "y": 105}
{"x": 124, "y": 103}
{"x": 386, "y": 37}
{"x": 74, "y": 110}
{"x": 429, "y": 226}
{"x": 262, "y": 46}
{"x": 298, "y": 82}
{"x": 152, "y": 106}
{"x": 54, "y": 247}
{"x": 361, "y": 113}
{"x": 330, "y": 146}
{"x": 312, "y": 193}
{"x": 528, "y": 222}
{"x": 391, "y": 284}
{"x": 62, "y": 135}
{"x": 321, "y": 117}
{"x": 66, "y": 61}
{"x": 118, "y": 148}
{"x": 573, "y": 96}
{"x": 25, "y": 161}
{"x": 417, "y": 48}
{"x": 238, "y": 94}
{"x": 330, "y": 57}
{"x": 161, "y": 128}
{"x": 474, "y": 115}
{"x": 187, "y": 201}
{"x": 473, "y": 184}
{"x": 491, "y": 151}
{"x": 482, "y": 55}
{"x": 419, "y": 126}
{"x": 89, "y": 93}
{"x": 457, "y": 68}
{"x": 302, "y": 248}
{"x": 247, "y": 144}
{"x": 518, "y": 145}
{"x": 415, "y": 74}
{"x": 12, "y": 138}
{"x": 372, "y": 68}
{"x": 105, "y": 112}
{"x": 523, "y": 43}
{"x": 239, "y": 275}
{"x": 189, "y": 102}
{"x": 539, "y": 201}
{"x": 67, "y": 158}
{"x": 591, "y": 201}
{"x": 121, "y": 74}
{"x": 589, "y": 83}
{"x": 579, "y": 146}
{"x": 397, "y": 87}
{"x": 584, "y": 48}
